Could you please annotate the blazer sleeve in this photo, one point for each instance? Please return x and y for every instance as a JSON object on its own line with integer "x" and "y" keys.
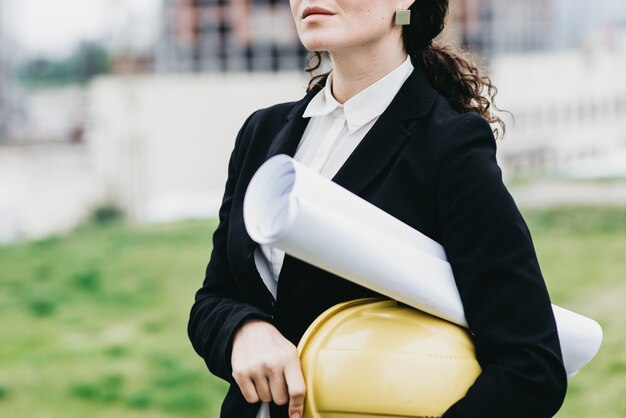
{"x": 497, "y": 273}
{"x": 218, "y": 310}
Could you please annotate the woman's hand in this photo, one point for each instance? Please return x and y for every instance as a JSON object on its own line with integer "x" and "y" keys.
{"x": 266, "y": 366}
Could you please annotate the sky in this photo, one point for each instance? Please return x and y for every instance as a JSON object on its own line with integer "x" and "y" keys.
{"x": 54, "y": 27}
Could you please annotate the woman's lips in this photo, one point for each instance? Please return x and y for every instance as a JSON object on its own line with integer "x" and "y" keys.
{"x": 315, "y": 11}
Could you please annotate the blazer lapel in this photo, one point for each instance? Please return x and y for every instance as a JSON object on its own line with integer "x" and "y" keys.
{"x": 288, "y": 138}
{"x": 387, "y": 135}
{"x": 285, "y": 142}
{"x": 380, "y": 144}
{"x": 373, "y": 153}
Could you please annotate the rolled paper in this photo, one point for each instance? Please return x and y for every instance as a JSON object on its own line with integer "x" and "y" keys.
{"x": 291, "y": 207}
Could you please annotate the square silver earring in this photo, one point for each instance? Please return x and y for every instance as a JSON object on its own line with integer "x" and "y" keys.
{"x": 403, "y": 17}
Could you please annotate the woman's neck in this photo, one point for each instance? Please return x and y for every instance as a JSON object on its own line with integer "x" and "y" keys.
{"x": 356, "y": 69}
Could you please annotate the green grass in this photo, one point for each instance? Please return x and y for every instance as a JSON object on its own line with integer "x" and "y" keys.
{"x": 94, "y": 323}
{"x": 583, "y": 258}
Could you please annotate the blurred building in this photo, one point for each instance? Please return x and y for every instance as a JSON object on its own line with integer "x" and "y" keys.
{"x": 228, "y": 35}
{"x": 493, "y": 27}
{"x": 3, "y": 78}
{"x": 559, "y": 69}
{"x": 570, "y": 113}
{"x": 259, "y": 35}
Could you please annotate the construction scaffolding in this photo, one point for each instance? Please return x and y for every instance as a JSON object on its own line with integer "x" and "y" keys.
{"x": 496, "y": 27}
{"x": 260, "y": 35}
{"x": 228, "y": 35}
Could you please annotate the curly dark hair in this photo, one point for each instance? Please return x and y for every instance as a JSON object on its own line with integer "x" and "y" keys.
{"x": 451, "y": 71}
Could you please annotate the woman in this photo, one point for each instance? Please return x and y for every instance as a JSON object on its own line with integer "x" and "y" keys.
{"x": 402, "y": 123}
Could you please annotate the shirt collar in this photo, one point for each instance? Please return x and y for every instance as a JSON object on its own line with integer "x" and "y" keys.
{"x": 366, "y": 105}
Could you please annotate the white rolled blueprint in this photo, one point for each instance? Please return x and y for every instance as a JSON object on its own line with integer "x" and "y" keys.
{"x": 311, "y": 218}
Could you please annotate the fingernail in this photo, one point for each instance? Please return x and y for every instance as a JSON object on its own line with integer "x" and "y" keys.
{"x": 295, "y": 415}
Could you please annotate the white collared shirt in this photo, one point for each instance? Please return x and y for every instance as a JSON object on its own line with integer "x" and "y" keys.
{"x": 331, "y": 135}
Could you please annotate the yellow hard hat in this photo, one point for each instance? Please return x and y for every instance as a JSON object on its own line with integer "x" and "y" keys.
{"x": 370, "y": 358}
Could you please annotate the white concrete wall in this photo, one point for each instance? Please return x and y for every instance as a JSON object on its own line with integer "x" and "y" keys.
{"x": 570, "y": 111}
{"x": 161, "y": 143}
{"x": 158, "y": 146}
{"x": 45, "y": 188}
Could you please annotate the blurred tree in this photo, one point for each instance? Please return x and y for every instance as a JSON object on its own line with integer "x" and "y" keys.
{"x": 88, "y": 60}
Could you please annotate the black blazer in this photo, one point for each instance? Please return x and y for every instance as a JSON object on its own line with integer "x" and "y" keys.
{"x": 435, "y": 170}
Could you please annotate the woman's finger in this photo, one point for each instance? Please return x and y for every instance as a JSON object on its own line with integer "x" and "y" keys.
{"x": 262, "y": 387}
{"x": 278, "y": 387}
{"x": 296, "y": 388}
{"x": 246, "y": 385}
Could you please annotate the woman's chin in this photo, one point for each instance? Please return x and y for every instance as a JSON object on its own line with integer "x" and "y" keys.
{"x": 315, "y": 46}
{"x": 319, "y": 43}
